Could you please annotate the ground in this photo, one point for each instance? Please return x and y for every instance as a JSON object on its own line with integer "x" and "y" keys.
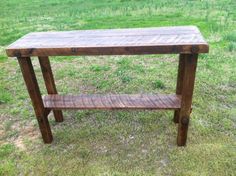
{"x": 121, "y": 142}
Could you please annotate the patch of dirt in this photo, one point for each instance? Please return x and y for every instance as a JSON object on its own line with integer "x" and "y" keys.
{"x": 25, "y": 131}
{"x": 19, "y": 143}
{"x": 1, "y": 130}
{"x": 2, "y": 134}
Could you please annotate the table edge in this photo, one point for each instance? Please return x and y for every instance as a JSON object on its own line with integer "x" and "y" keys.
{"x": 119, "y": 50}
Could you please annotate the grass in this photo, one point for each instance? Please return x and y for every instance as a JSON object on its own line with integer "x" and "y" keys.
{"x": 120, "y": 142}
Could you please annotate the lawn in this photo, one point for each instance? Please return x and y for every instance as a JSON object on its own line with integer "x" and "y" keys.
{"x": 121, "y": 143}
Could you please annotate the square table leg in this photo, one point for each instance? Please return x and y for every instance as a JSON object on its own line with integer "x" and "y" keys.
{"x": 50, "y": 83}
{"x": 35, "y": 95}
{"x": 179, "y": 84}
{"x": 189, "y": 70}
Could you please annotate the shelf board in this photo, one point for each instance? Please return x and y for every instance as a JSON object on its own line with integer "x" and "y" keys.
{"x": 112, "y": 101}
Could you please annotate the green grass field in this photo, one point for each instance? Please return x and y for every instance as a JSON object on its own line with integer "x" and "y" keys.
{"x": 121, "y": 143}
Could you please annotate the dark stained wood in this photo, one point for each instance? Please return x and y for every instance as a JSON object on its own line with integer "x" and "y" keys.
{"x": 179, "y": 84}
{"x": 136, "y": 101}
{"x": 186, "y": 41}
{"x": 162, "y": 40}
{"x": 50, "y": 83}
{"x": 190, "y": 65}
{"x": 34, "y": 92}
{"x": 47, "y": 112}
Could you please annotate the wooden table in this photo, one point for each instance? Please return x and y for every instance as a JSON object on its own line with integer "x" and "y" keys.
{"x": 186, "y": 41}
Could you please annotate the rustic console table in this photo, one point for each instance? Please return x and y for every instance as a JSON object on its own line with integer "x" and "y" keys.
{"x": 186, "y": 41}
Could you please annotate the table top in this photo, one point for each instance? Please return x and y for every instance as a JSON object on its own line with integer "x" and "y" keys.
{"x": 133, "y": 41}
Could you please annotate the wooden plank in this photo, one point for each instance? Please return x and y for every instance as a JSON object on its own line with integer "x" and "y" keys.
{"x": 124, "y": 101}
{"x": 161, "y": 40}
{"x": 50, "y": 83}
{"x": 179, "y": 84}
{"x": 34, "y": 92}
{"x": 190, "y": 65}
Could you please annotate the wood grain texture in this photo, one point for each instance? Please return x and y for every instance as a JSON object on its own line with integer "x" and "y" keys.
{"x": 189, "y": 71}
{"x": 35, "y": 95}
{"x": 125, "y": 101}
{"x": 179, "y": 84}
{"x": 50, "y": 83}
{"x": 162, "y": 40}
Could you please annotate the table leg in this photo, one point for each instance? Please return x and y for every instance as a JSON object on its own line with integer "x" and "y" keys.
{"x": 35, "y": 95}
{"x": 179, "y": 84}
{"x": 50, "y": 83}
{"x": 189, "y": 70}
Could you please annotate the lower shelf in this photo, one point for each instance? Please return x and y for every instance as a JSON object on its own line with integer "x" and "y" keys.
{"x": 112, "y": 101}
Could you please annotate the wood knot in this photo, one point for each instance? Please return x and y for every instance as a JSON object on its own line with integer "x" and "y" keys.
{"x": 31, "y": 50}
{"x": 17, "y": 54}
{"x": 40, "y": 119}
{"x": 195, "y": 49}
{"x": 74, "y": 50}
{"x": 185, "y": 121}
